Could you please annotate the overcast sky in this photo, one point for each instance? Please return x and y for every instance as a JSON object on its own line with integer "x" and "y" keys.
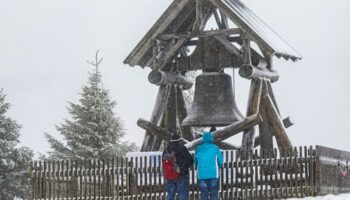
{"x": 44, "y": 46}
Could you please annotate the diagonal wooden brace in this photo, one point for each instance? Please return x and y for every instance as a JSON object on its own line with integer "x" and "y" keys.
{"x": 229, "y": 131}
{"x": 276, "y": 123}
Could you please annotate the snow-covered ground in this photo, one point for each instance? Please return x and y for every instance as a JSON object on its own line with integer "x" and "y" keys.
{"x": 328, "y": 197}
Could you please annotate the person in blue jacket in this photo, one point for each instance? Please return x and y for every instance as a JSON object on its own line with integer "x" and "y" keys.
{"x": 208, "y": 159}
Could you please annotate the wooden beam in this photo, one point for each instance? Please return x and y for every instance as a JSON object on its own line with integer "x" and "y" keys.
{"x": 266, "y": 135}
{"x": 250, "y": 71}
{"x": 226, "y": 9}
{"x": 169, "y": 116}
{"x": 159, "y": 144}
{"x": 229, "y": 46}
{"x": 170, "y": 123}
{"x": 246, "y": 49}
{"x": 253, "y": 108}
{"x": 159, "y": 77}
{"x": 169, "y": 54}
{"x": 224, "y": 21}
{"x": 200, "y": 19}
{"x": 217, "y": 19}
{"x": 159, "y": 27}
{"x": 229, "y": 131}
{"x": 272, "y": 95}
{"x": 257, "y": 141}
{"x": 211, "y": 33}
{"x": 194, "y": 42}
{"x": 155, "y": 130}
{"x": 166, "y": 135}
{"x": 227, "y": 146}
{"x": 276, "y": 124}
{"x": 287, "y": 122}
{"x": 158, "y": 112}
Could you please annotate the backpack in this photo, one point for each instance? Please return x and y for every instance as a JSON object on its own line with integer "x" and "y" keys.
{"x": 170, "y": 168}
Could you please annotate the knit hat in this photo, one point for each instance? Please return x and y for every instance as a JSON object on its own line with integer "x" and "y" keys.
{"x": 212, "y": 129}
{"x": 175, "y": 138}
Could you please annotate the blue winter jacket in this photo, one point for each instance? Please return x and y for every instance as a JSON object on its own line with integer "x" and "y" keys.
{"x": 208, "y": 158}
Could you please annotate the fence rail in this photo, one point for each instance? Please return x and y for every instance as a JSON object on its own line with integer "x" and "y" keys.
{"x": 282, "y": 175}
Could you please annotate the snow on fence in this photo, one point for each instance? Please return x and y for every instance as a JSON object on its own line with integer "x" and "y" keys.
{"x": 282, "y": 175}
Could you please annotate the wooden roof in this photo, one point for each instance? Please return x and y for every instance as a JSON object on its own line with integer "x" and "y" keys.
{"x": 180, "y": 17}
{"x": 267, "y": 39}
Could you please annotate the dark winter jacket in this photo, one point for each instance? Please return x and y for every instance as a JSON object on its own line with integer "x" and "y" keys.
{"x": 183, "y": 157}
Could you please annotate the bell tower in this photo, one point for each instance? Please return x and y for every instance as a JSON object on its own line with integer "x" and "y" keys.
{"x": 165, "y": 50}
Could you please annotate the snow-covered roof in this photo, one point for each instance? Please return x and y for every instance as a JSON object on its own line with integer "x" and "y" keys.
{"x": 180, "y": 17}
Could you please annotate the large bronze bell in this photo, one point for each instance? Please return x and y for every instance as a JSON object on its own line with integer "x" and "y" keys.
{"x": 214, "y": 102}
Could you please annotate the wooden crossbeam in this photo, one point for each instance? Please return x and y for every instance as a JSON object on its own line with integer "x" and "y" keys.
{"x": 227, "y": 146}
{"x": 211, "y": 33}
{"x": 229, "y": 131}
{"x": 229, "y": 46}
{"x": 250, "y": 71}
{"x": 164, "y": 134}
{"x": 159, "y": 77}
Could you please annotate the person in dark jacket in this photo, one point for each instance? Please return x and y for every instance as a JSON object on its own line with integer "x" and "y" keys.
{"x": 208, "y": 159}
{"x": 184, "y": 161}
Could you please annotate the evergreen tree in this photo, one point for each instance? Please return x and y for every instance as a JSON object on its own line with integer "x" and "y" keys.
{"x": 93, "y": 131}
{"x": 14, "y": 161}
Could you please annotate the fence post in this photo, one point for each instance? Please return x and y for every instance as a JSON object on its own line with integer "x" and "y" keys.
{"x": 31, "y": 171}
{"x": 316, "y": 178}
{"x": 131, "y": 184}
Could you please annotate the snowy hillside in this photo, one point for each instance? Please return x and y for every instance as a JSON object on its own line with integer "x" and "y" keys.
{"x": 329, "y": 197}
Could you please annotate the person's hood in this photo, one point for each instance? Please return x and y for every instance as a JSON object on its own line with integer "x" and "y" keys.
{"x": 207, "y": 137}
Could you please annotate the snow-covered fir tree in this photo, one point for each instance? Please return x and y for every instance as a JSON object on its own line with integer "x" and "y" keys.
{"x": 14, "y": 161}
{"x": 94, "y": 130}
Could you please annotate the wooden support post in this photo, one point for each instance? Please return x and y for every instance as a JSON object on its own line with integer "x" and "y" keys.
{"x": 154, "y": 54}
{"x": 276, "y": 123}
{"x": 199, "y": 23}
{"x": 266, "y": 136}
{"x": 169, "y": 117}
{"x": 181, "y": 111}
{"x": 253, "y": 108}
{"x": 246, "y": 48}
{"x": 170, "y": 123}
{"x": 158, "y": 112}
{"x": 229, "y": 131}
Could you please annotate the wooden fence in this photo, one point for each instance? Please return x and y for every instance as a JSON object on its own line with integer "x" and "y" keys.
{"x": 281, "y": 175}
